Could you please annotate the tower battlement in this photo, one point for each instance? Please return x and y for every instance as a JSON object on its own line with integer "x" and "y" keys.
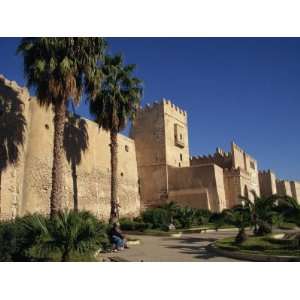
{"x": 167, "y": 105}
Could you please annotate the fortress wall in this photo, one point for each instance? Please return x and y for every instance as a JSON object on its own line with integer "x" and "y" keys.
{"x": 188, "y": 186}
{"x": 87, "y": 171}
{"x": 238, "y": 157}
{"x": 153, "y": 185}
{"x": 233, "y": 185}
{"x": 148, "y": 132}
{"x": 284, "y": 188}
{"x": 176, "y": 135}
{"x": 267, "y": 183}
{"x": 295, "y": 189}
{"x": 223, "y": 160}
{"x": 13, "y": 137}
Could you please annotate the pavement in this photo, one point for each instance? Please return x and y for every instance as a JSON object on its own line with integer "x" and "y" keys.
{"x": 187, "y": 248}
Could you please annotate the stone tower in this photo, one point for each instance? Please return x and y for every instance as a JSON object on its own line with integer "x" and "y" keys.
{"x": 160, "y": 132}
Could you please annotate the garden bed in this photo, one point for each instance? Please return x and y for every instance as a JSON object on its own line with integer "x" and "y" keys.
{"x": 263, "y": 248}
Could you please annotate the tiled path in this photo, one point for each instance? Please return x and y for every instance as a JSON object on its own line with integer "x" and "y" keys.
{"x": 188, "y": 247}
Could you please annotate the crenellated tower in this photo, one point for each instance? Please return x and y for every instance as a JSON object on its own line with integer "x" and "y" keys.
{"x": 160, "y": 131}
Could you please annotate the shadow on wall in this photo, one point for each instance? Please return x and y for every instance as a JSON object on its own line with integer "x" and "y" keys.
{"x": 12, "y": 130}
{"x": 76, "y": 142}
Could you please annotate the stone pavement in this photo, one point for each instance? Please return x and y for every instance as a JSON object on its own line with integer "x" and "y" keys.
{"x": 187, "y": 248}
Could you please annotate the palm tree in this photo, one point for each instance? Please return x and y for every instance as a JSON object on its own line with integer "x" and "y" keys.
{"x": 239, "y": 216}
{"x": 60, "y": 69}
{"x": 66, "y": 232}
{"x": 116, "y": 103}
{"x": 289, "y": 208}
{"x": 262, "y": 211}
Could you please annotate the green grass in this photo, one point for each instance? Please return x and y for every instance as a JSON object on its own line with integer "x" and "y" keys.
{"x": 287, "y": 226}
{"x": 265, "y": 245}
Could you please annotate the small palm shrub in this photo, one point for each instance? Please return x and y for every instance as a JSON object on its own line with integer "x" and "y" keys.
{"x": 66, "y": 233}
{"x": 15, "y": 240}
{"x": 67, "y": 236}
{"x": 8, "y": 242}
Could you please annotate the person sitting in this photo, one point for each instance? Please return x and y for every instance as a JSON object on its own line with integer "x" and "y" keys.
{"x": 117, "y": 238}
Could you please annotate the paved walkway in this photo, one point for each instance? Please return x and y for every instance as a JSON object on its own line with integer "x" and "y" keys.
{"x": 188, "y": 248}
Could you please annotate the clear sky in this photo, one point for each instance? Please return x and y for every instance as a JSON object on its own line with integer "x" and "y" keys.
{"x": 241, "y": 89}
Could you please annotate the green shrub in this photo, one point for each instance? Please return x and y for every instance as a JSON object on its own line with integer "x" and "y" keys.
{"x": 201, "y": 216}
{"x": 38, "y": 238}
{"x": 157, "y": 217}
{"x": 15, "y": 240}
{"x": 132, "y": 225}
{"x": 185, "y": 216}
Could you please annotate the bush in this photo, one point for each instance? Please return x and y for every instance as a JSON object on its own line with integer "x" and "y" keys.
{"x": 134, "y": 225}
{"x": 157, "y": 217}
{"x": 201, "y": 216}
{"x": 15, "y": 240}
{"x": 36, "y": 237}
{"x": 185, "y": 217}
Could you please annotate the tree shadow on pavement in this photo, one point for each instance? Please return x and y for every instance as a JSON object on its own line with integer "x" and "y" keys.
{"x": 192, "y": 246}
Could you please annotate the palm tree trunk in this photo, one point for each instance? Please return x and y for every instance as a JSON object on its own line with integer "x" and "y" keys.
{"x": 75, "y": 188}
{"x": 114, "y": 176}
{"x": 58, "y": 159}
{"x": 65, "y": 256}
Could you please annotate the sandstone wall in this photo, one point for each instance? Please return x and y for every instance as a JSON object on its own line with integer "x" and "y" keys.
{"x": 267, "y": 183}
{"x": 154, "y": 132}
{"x": 283, "y": 188}
{"x": 14, "y": 119}
{"x": 176, "y": 135}
{"x": 148, "y": 132}
{"x": 295, "y": 189}
{"x": 200, "y": 187}
{"x": 87, "y": 167}
{"x": 220, "y": 158}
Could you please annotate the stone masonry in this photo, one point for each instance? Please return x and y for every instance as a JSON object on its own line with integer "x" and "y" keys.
{"x": 155, "y": 166}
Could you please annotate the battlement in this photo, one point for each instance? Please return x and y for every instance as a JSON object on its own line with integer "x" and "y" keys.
{"x": 265, "y": 172}
{"x": 14, "y": 86}
{"x": 169, "y": 105}
{"x": 220, "y": 158}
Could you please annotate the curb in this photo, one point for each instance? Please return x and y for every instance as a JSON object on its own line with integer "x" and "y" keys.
{"x": 117, "y": 259}
{"x": 252, "y": 257}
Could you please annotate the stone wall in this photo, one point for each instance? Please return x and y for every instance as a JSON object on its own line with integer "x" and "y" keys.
{"x": 176, "y": 135}
{"x": 199, "y": 186}
{"x": 221, "y": 158}
{"x": 283, "y": 188}
{"x": 267, "y": 183}
{"x": 295, "y": 189}
{"x": 26, "y": 185}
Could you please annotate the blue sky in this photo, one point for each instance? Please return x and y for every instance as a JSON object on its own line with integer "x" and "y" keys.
{"x": 241, "y": 89}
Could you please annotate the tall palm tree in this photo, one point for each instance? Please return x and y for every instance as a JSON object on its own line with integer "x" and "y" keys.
{"x": 61, "y": 69}
{"x": 238, "y": 216}
{"x": 262, "y": 211}
{"x": 116, "y": 103}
